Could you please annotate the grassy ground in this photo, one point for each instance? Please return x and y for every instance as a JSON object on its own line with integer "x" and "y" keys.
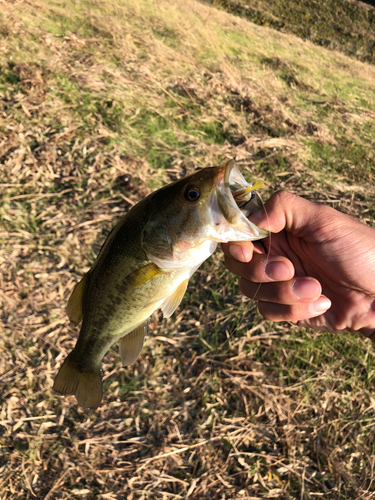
{"x": 345, "y": 25}
{"x": 101, "y": 103}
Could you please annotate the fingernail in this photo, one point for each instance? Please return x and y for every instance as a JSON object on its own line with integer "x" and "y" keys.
{"x": 239, "y": 253}
{"x": 306, "y": 288}
{"x": 321, "y": 305}
{"x": 277, "y": 271}
{"x": 256, "y": 217}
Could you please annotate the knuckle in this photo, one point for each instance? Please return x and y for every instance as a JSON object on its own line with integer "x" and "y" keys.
{"x": 284, "y": 197}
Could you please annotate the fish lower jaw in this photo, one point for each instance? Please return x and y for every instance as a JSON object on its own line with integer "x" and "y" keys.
{"x": 186, "y": 255}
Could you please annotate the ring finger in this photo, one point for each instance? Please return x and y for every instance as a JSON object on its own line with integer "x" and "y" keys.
{"x": 294, "y": 291}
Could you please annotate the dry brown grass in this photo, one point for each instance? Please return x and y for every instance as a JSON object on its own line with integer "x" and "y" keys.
{"x": 101, "y": 103}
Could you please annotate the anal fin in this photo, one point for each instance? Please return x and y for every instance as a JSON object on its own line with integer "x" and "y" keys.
{"x": 74, "y": 308}
{"x": 171, "y": 303}
{"x": 131, "y": 344}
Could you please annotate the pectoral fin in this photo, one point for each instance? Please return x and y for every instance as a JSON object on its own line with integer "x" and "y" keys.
{"x": 74, "y": 308}
{"x": 131, "y": 344}
{"x": 143, "y": 275}
{"x": 171, "y": 303}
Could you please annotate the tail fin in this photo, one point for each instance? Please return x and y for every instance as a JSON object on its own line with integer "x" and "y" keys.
{"x": 86, "y": 386}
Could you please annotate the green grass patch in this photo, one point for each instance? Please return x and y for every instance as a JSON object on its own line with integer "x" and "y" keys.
{"x": 338, "y": 24}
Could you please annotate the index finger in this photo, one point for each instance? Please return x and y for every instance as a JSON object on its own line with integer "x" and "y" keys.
{"x": 241, "y": 250}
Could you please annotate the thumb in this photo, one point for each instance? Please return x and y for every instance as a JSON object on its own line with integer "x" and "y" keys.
{"x": 287, "y": 211}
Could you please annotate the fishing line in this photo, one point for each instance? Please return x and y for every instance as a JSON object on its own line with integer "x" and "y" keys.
{"x": 260, "y": 244}
{"x": 267, "y": 251}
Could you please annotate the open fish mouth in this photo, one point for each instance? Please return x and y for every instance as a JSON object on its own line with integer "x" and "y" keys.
{"x": 244, "y": 194}
{"x": 238, "y": 199}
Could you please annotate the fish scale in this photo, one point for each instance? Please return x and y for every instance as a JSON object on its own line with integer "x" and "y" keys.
{"x": 145, "y": 264}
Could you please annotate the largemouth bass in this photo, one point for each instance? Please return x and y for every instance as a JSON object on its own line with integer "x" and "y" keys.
{"x": 145, "y": 264}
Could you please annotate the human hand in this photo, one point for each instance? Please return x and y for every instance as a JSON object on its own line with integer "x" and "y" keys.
{"x": 320, "y": 271}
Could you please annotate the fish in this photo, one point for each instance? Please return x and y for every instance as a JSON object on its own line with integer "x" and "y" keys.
{"x": 145, "y": 264}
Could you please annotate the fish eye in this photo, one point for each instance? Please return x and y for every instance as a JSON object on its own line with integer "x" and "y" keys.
{"x": 192, "y": 193}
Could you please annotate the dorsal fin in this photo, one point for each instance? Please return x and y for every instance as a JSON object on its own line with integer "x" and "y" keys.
{"x": 74, "y": 308}
{"x": 171, "y": 303}
{"x": 131, "y": 344}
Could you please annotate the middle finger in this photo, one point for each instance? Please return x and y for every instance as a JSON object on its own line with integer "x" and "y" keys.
{"x": 262, "y": 268}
